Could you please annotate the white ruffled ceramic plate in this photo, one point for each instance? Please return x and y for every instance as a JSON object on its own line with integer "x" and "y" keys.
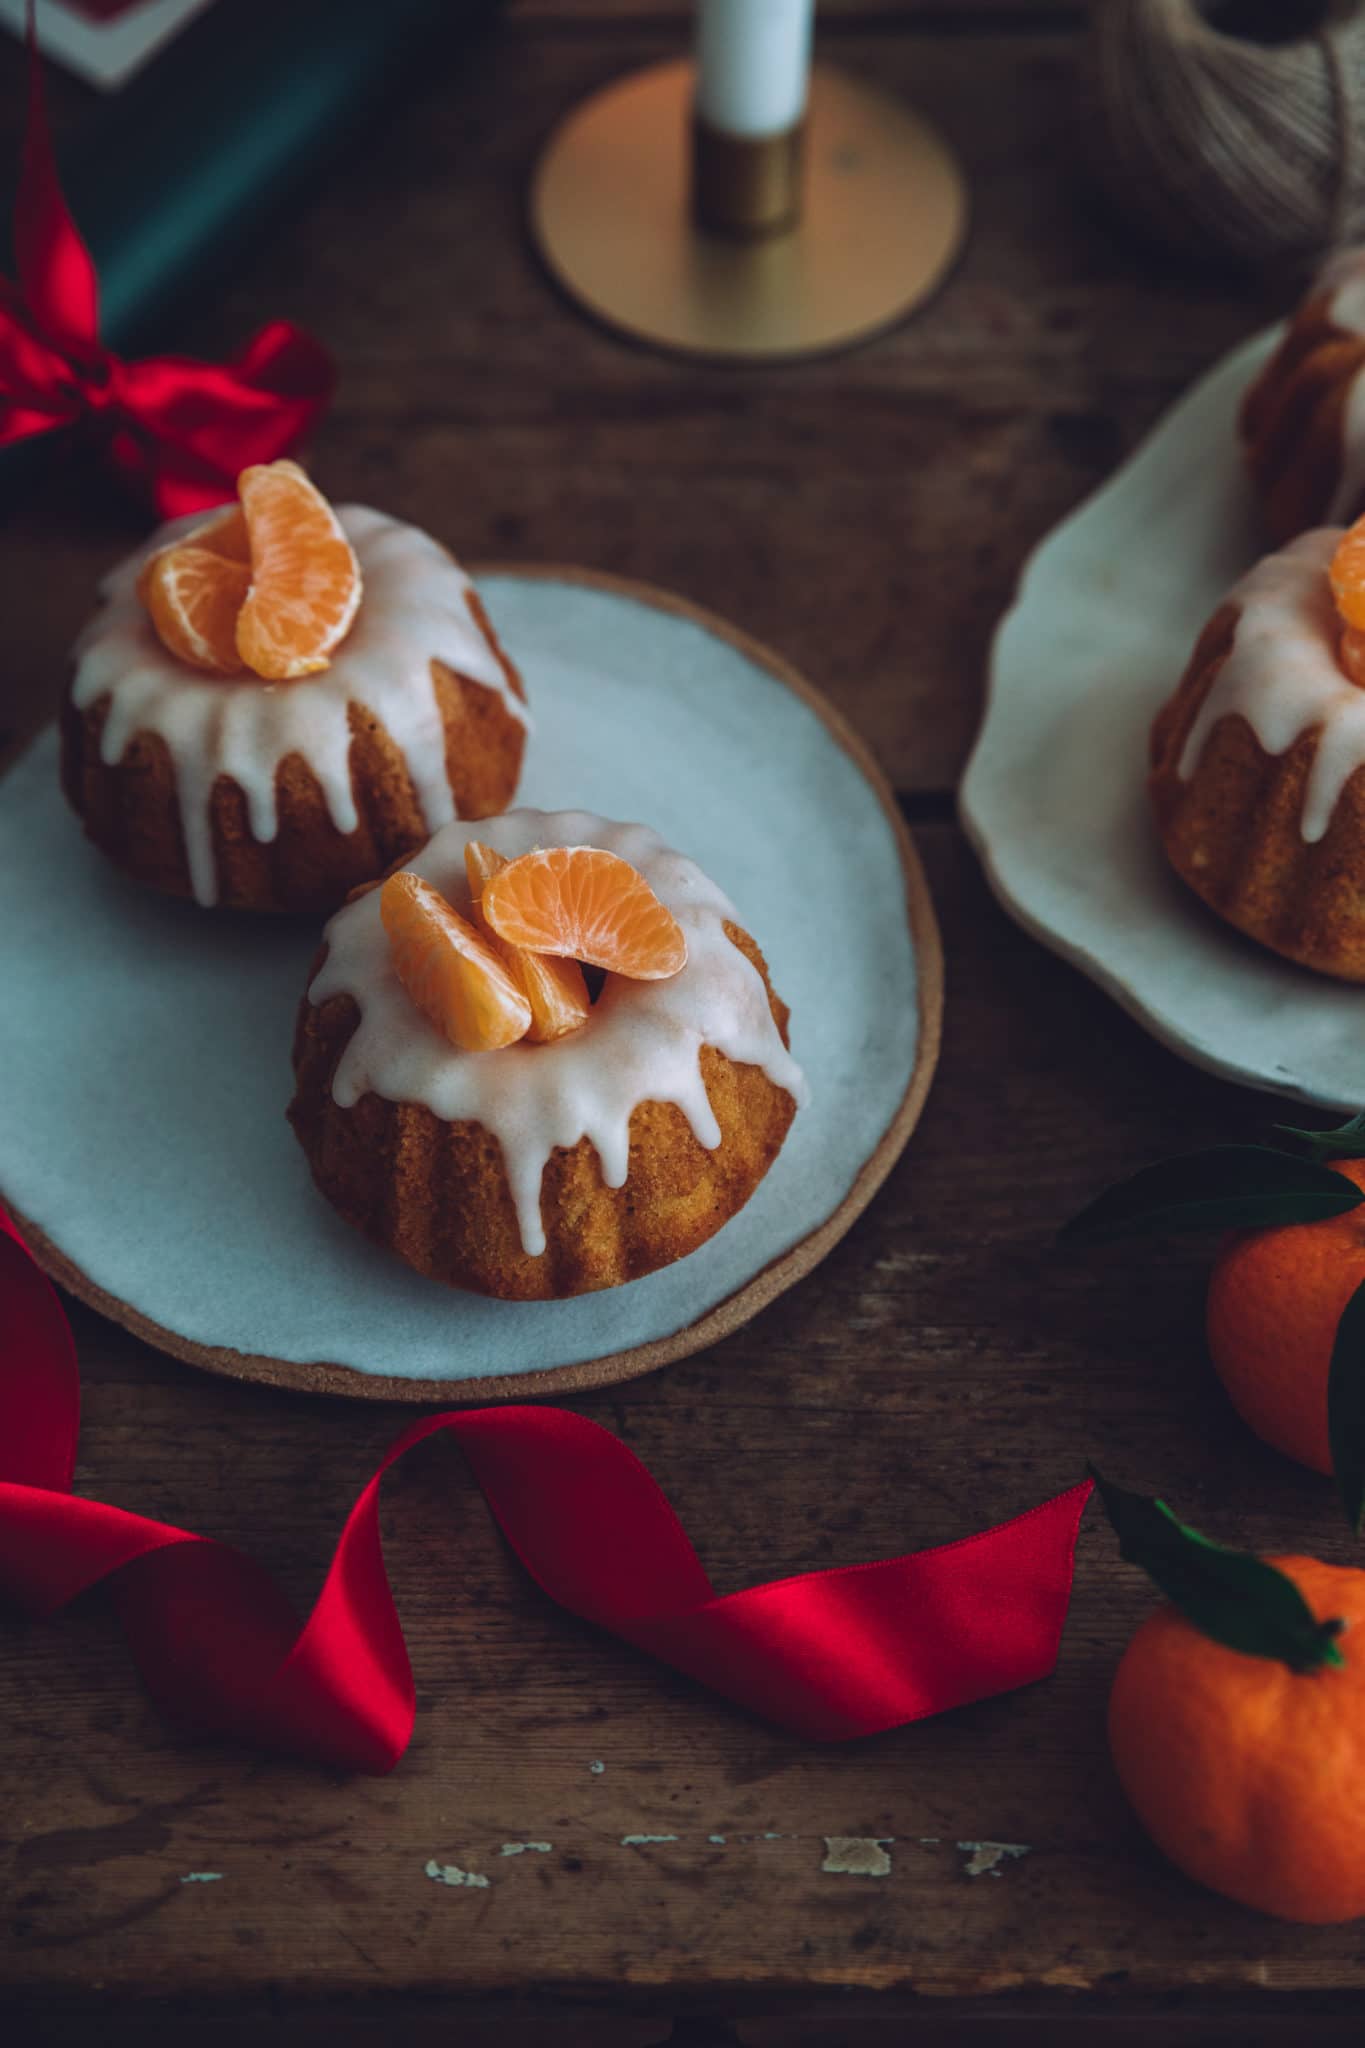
{"x": 1054, "y": 798}
{"x": 144, "y": 1045}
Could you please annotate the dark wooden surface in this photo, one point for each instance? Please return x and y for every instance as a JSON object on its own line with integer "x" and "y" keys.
{"x": 868, "y": 517}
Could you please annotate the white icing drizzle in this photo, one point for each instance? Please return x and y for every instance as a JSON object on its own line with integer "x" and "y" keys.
{"x": 1283, "y": 677}
{"x": 414, "y": 609}
{"x": 642, "y": 1042}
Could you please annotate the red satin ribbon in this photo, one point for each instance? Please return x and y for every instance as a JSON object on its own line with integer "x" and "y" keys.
{"x": 830, "y": 1654}
{"x": 173, "y": 427}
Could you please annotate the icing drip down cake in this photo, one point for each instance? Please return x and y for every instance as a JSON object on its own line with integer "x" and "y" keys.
{"x": 531, "y": 1141}
{"x": 1256, "y": 776}
{"x": 282, "y": 786}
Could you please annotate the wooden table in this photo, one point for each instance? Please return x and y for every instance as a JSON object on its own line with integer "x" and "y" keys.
{"x": 867, "y": 516}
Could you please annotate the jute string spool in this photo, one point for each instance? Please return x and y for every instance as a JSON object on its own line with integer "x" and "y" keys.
{"x": 1231, "y": 145}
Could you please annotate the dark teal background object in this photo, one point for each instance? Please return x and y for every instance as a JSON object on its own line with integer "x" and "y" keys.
{"x": 175, "y": 172}
{"x": 209, "y": 140}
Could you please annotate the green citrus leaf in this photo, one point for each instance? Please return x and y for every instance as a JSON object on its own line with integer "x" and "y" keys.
{"x": 1237, "y": 1599}
{"x": 1346, "y": 1407}
{"x": 1228, "y": 1187}
{"x": 1343, "y": 1141}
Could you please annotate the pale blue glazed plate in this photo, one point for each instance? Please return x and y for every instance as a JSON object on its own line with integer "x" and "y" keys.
{"x": 146, "y": 1044}
{"x": 1054, "y": 797}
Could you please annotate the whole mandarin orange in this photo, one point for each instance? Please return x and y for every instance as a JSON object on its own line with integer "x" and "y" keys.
{"x": 1275, "y": 1298}
{"x": 1251, "y": 1776}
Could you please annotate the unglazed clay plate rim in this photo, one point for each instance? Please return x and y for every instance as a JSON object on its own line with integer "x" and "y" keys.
{"x": 1054, "y": 800}
{"x": 766, "y": 1284}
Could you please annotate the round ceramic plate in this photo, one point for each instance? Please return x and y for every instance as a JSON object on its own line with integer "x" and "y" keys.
{"x": 1054, "y": 798}
{"x": 143, "y": 1146}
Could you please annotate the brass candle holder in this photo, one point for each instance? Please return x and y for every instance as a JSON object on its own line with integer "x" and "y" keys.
{"x": 746, "y": 248}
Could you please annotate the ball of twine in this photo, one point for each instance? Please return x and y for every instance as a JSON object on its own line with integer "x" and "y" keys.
{"x": 1223, "y": 145}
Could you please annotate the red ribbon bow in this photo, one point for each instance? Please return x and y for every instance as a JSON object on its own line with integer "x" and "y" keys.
{"x": 177, "y": 428}
{"x": 830, "y": 1654}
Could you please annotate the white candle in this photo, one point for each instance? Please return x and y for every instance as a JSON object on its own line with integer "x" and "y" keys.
{"x": 753, "y": 64}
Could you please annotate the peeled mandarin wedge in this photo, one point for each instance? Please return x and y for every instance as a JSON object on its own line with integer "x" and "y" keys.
{"x": 453, "y": 976}
{"x": 194, "y": 589}
{"x": 305, "y": 580}
{"x": 554, "y": 988}
{"x": 1347, "y": 577}
{"x": 589, "y": 905}
{"x": 1352, "y": 653}
{"x": 1347, "y": 574}
{"x": 224, "y": 534}
{"x": 481, "y": 863}
{"x": 194, "y": 597}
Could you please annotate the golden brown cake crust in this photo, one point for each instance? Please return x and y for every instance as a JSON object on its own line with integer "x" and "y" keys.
{"x": 1234, "y": 831}
{"x": 437, "y": 1193}
{"x": 1292, "y": 420}
{"x": 131, "y": 809}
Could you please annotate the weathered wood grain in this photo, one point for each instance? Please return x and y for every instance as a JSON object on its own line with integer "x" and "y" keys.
{"x": 945, "y": 1367}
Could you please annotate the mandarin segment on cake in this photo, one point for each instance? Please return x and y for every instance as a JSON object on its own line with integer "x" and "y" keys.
{"x": 448, "y": 970}
{"x": 1303, "y": 420}
{"x": 586, "y": 904}
{"x": 1258, "y": 760}
{"x": 554, "y": 986}
{"x": 271, "y": 746}
{"x": 550, "y": 1166}
{"x": 305, "y": 580}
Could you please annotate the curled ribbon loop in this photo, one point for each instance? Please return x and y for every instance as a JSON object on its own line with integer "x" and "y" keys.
{"x": 175, "y": 428}
{"x": 829, "y": 1654}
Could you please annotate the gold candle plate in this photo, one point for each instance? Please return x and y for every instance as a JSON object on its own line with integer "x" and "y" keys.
{"x": 883, "y": 212}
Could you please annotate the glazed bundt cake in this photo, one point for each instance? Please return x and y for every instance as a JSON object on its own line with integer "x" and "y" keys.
{"x": 533, "y": 1142}
{"x": 280, "y": 786}
{"x": 1258, "y": 760}
{"x": 1303, "y": 420}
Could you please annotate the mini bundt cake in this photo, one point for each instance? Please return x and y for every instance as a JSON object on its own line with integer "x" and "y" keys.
{"x": 593, "y": 1141}
{"x": 282, "y": 786}
{"x": 1258, "y": 760}
{"x": 1303, "y": 420}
